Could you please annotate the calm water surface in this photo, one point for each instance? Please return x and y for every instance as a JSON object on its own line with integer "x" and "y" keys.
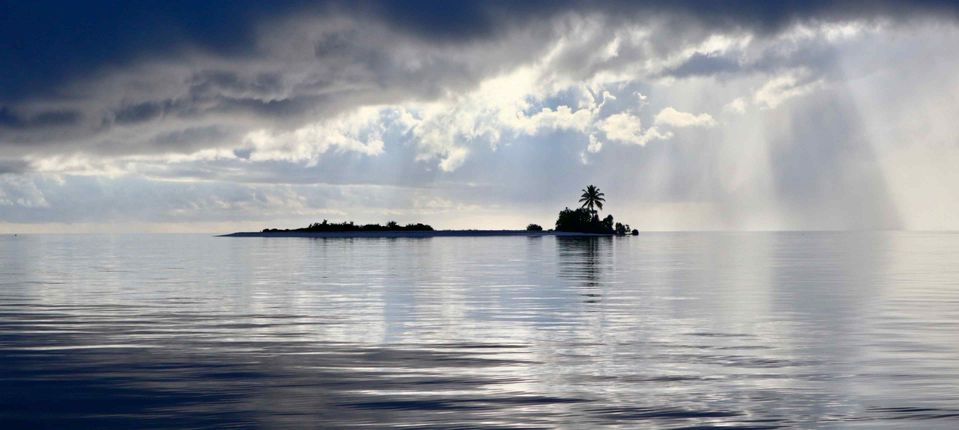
{"x": 691, "y": 330}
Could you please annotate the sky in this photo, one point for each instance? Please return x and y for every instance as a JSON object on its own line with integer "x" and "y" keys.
{"x": 178, "y": 116}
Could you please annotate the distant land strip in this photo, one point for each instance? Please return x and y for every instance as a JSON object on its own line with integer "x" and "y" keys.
{"x": 434, "y": 233}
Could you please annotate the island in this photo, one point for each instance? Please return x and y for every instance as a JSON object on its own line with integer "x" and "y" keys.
{"x": 580, "y": 222}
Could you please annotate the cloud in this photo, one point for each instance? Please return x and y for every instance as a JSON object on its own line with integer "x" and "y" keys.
{"x": 627, "y": 128}
{"x": 81, "y": 39}
{"x": 21, "y": 193}
{"x": 674, "y": 118}
{"x": 781, "y": 88}
{"x": 361, "y": 132}
{"x": 738, "y": 105}
{"x": 454, "y": 158}
{"x": 178, "y": 80}
{"x": 254, "y": 101}
{"x": 14, "y": 166}
{"x": 49, "y": 118}
{"x": 700, "y": 64}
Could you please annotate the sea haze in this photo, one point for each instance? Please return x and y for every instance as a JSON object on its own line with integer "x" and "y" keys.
{"x": 662, "y": 330}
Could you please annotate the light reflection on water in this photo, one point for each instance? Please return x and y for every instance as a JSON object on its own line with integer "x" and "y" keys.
{"x": 744, "y": 330}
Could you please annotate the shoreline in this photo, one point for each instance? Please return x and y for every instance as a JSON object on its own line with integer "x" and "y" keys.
{"x": 412, "y": 234}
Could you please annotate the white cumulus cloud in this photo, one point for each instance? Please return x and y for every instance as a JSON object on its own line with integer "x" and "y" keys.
{"x": 627, "y": 128}
{"x": 675, "y": 118}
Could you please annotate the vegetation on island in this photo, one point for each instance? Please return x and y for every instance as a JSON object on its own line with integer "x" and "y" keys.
{"x": 585, "y": 219}
{"x": 348, "y": 226}
{"x": 592, "y": 198}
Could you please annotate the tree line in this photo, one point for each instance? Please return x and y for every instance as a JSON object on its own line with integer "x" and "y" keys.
{"x": 348, "y": 226}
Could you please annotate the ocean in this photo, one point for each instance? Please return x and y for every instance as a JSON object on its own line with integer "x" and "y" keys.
{"x": 660, "y": 330}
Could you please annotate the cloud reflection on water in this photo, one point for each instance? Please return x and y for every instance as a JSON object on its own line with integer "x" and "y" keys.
{"x": 666, "y": 330}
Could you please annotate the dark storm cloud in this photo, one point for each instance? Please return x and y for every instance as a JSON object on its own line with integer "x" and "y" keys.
{"x": 705, "y": 64}
{"x": 215, "y": 82}
{"x": 817, "y": 55}
{"x": 152, "y": 77}
{"x": 140, "y": 112}
{"x": 475, "y": 19}
{"x": 46, "y": 44}
{"x": 192, "y": 134}
{"x": 51, "y": 118}
{"x": 13, "y": 166}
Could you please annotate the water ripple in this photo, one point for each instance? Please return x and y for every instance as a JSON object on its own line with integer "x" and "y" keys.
{"x": 677, "y": 331}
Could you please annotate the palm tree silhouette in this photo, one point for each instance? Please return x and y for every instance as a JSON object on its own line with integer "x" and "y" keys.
{"x": 592, "y": 197}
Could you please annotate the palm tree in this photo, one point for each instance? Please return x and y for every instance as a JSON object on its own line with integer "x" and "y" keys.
{"x": 592, "y": 197}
